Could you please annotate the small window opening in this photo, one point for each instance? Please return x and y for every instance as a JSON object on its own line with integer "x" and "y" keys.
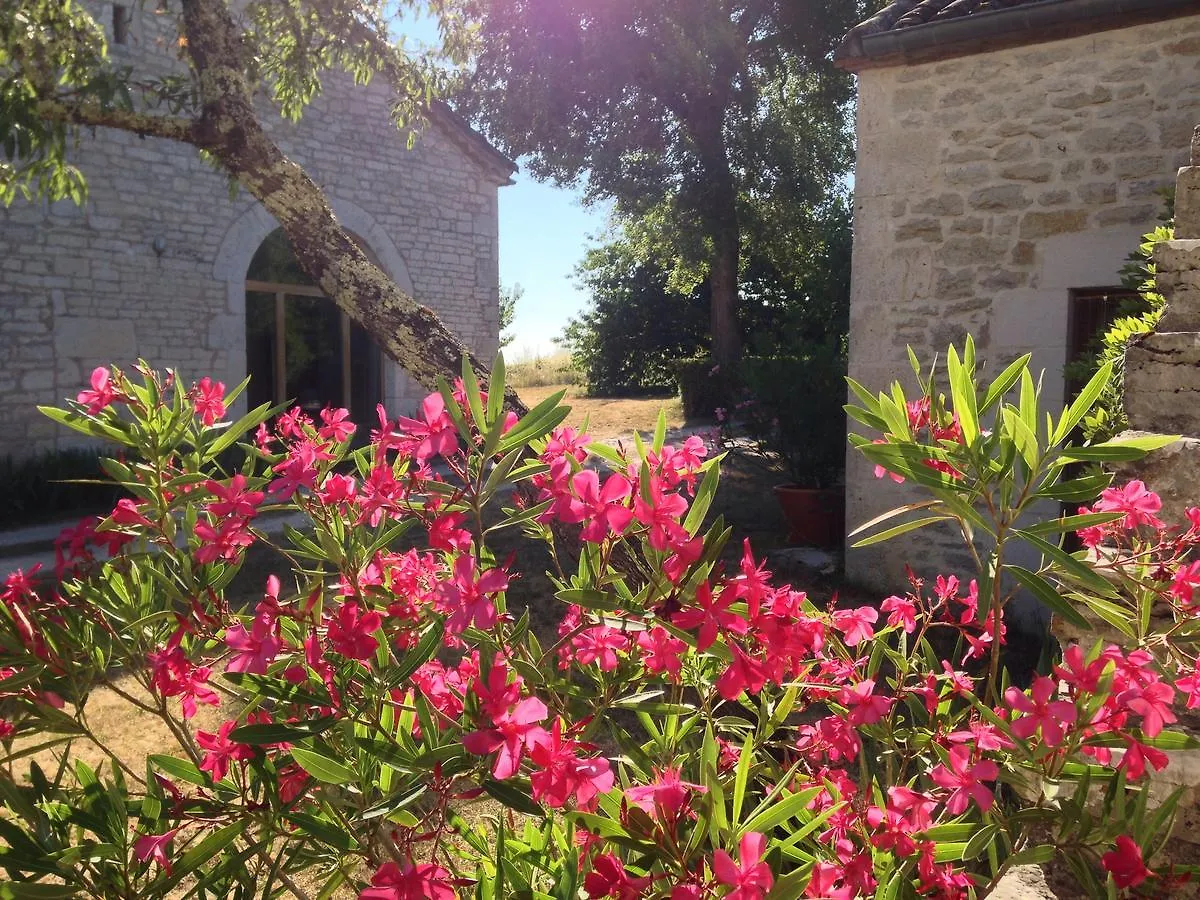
{"x": 120, "y": 23}
{"x": 1090, "y": 314}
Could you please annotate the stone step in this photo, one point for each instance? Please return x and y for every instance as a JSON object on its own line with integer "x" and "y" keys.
{"x": 1172, "y": 472}
{"x": 1162, "y": 383}
{"x": 1177, "y": 264}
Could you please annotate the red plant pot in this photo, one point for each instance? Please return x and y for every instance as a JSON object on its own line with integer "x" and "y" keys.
{"x": 815, "y": 517}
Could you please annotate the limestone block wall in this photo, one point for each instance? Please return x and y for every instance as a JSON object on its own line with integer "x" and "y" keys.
{"x": 80, "y": 287}
{"x": 987, "y": 187}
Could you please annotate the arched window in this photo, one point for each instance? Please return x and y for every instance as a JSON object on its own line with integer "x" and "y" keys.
{"x": 299, "y": 346}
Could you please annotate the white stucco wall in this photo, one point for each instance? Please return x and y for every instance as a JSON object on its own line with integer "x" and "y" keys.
{"x": 986, "y": 188}
{"x": 81, "y": 287}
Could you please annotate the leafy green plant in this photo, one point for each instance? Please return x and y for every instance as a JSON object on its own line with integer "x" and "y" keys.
{"x": 791, "y": 413}
{"x": 1135, "y": 318}
{"x": 691, "y": 730}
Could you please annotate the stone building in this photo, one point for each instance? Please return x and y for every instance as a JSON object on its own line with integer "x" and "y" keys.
{"x": 157, "y": 263}
{"x": 1010, "y": 155}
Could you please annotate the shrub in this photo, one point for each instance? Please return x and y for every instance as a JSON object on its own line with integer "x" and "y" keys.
{"x": 792, "y": 411}
{"x": 1135, "y": 319}
{"x": 704, "y": 387}
{"x": 692, "y": 732}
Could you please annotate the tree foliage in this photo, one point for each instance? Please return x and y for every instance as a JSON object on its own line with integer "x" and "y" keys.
{"x": 700, "y": 119}
{"x": 509, "y": 297}
{"x": 639, "y": 322}
{"x": 237, "y": 62}
{"x": 634, "y": 327}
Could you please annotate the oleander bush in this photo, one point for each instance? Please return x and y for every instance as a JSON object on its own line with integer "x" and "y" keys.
{"x": 695, "y": 730}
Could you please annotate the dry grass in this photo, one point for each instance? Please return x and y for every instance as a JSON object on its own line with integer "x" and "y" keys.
{"x": 609, "y": 417}
{"x": 541, "y": 371}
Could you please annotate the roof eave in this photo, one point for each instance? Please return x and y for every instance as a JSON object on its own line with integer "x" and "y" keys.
{"x": 996, "y": 29}
{"x": 471, "y": 142}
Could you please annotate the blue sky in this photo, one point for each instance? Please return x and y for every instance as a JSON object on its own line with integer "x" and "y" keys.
{"x": 544, "y": 231}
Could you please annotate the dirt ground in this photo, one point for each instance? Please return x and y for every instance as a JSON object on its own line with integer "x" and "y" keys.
{"x": 609, "y": 417}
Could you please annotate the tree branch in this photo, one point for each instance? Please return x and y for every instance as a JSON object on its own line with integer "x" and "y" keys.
{"x": 144, "y": 124}
{"x": 411, "y": 334}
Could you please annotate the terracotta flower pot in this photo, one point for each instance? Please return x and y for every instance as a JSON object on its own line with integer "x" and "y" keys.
{"x": 816, "y": 517}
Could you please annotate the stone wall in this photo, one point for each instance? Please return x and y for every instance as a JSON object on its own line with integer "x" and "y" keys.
{"x": 987, "y": 187}
{"x": 84, "y": 287}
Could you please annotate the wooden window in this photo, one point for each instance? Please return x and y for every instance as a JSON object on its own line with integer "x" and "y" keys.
{"x": 1089, "y": 313}
{"x": 299, "y": 346}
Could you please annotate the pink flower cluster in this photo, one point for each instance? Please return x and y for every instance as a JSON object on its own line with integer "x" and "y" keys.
{"x": 727, "y": 635}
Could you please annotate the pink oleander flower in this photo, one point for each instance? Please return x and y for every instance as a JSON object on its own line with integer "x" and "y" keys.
{"x": 661, "y": 513}
{"x": 497, "y": 694}
{"x": 102, "y": 393}
{"x": 881, "y": 471}
{"x": 855, "y": 624}
{"x": 562, "y": 774}
{"x": 710, "y": 616}
{"x": 750, "y": 878}
{"x": 608, "y": 878}
{"x": 603, "y": 510}
{"x": 744, "y": 673}
{"x": 600, "y": 644}
{"x": 1139, "y": 504}
{"x": 1190, "y": 685}
{"x": 221, "y": 750}
{"x": 902, "y": 613}
{"x": 338, "y": 490}
{"x": 224, "y": 541}
{"x": 209, "y": 400}
{"x": 669, "y": 798}
{"x": 434, "y": 433}
{"x": 1038, "y": 710}
{"x": 256, "y": 649}
{"x": 469, "y": 595}
{"x": 864, "y": 706}
{"x": 964, "y": 780}
{"x": 423, "y": 881}
{"x": 446, "y": 533}
{"x": 172, "y": 674}
{"x": 1124, "y": 862}
{"x": 336, "y": 425}
{"x": 353, "y": 635}
{"x": 1153, "y": 703}
{"x": 1186, "y": 583}
{"x": 154, "y": 847}
{"x": 661, "y": 651}
{"x": 1136, "y": 757}
{"x": 982, "y": 736}
{"x": 513, "y": 732}
{"x": 127, "y": 512}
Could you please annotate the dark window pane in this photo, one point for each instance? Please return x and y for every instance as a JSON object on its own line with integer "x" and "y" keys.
{"x": 275, "y": 262}
{"x": 260, "y": 348}
{"x": 366, "y": 377}
{"x": 314, "y": 353}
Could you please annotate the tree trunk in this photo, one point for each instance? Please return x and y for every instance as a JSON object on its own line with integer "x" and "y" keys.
{"x": 718, "y": 209}
{"x": 409, "y": 333}
{"x": 723, "y": 288}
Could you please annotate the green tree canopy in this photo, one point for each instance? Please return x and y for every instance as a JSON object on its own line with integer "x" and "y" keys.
{"x": 701, "y": 118}
{"x": 56, "y": 80}
{"x": 637, "y": 324}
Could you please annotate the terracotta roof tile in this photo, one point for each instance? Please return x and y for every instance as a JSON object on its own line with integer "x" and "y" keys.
{"x": 1033, "y": 21}
{"x": 907, "y": 13}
